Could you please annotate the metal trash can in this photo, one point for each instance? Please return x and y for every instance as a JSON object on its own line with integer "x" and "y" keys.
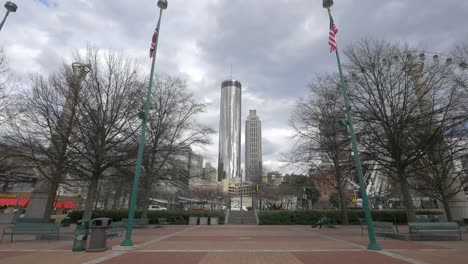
{"x": 81, "y": 235}
{"x": 98, "y": 235}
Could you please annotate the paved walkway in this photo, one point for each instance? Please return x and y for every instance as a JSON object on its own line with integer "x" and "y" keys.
{"x": 240, "y": 244}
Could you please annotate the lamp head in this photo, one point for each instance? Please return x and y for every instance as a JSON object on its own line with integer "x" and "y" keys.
{"x": 162, "y": 4}
{"x": 10, "y": 6}
{"x": 327, "y": 3}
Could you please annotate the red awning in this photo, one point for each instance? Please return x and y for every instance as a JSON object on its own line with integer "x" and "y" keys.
{"x": 65, "y": 205}
{"x": 13, "y": 202}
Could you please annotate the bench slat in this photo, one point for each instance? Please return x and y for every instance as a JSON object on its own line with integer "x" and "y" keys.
{"x": 439, "y": 227}
{"x": 381, "y": 227}
{"x": 136, "y": 221}
{"x": 32, "y": 228}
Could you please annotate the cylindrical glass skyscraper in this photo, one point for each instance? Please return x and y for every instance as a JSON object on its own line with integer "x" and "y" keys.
{"x": 229, "y": 157}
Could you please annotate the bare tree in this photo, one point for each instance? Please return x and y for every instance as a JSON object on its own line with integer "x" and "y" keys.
{"x": 269, "y": 196}
{"x": 322, "y": 142}
{"x": 7, "y": 98}
{"x": 107, "y": 108}
{"x": 121, "y": 184}
{"x": 442, "y": 176}
{"x": 172, "y": 130}
{"x": 304, "y": 189}
{"x": 44, "y": 127}
{"x": 396, "y": 107}
{"x": 461, "y": 54}
{"x": 213, "y": 197}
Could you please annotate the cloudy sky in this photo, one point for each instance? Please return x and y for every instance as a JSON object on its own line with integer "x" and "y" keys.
{"x": 275, "y": 47}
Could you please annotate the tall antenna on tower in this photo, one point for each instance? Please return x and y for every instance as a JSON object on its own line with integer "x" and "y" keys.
{"x": 231, "y": 71}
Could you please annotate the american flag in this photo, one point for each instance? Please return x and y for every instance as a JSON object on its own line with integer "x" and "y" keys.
{"x": 331, "y": 38}
{"x": 153, "y": 42}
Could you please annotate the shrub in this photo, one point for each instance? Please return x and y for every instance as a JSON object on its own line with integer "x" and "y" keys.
{"x": 173, "y": 217}
{"x": 312, "y": 216}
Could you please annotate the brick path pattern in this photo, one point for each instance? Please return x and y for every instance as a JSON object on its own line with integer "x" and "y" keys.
{"x": 240, "y": 244}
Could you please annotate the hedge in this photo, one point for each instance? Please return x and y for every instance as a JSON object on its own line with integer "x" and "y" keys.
{"x": 312, "y": 216}
{"x": 173, "y": 217}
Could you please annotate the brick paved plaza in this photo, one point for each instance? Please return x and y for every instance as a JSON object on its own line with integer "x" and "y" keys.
{"x": 239, "y": 244}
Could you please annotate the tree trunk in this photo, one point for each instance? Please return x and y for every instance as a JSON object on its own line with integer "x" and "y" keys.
{"x": 98, "y": 195}
{"x": 89, "y": 204}
{"x": 408, "y": 201}
{"x": 124, "y": 200}
{"x": 445, "y": 202}
{"x": 145, "y": 202}
{"x": 107, "y": 198}
{"x": 115, "y": 199}
{"x": 343, "y": 208}
{"x": 5, "y": 186}
{"x": 53, "y": 187}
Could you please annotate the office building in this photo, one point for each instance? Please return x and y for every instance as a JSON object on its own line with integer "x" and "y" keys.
{"x": 253, "y": 148}
{"x": 229, "y": 158}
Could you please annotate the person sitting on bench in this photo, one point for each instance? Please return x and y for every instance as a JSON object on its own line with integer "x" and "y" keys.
{"x": 320, "y": 222}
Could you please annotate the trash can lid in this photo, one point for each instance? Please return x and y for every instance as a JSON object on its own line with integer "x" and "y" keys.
{"x": 101, "y": 221}
{"x": 82, "y": 223}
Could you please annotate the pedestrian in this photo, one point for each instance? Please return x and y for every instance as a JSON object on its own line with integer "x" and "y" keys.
{"x": 320, "y": 222}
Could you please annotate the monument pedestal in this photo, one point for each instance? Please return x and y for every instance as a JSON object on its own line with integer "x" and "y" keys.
{"x": 458, "y": 206}
{"x": 38, "y": 201}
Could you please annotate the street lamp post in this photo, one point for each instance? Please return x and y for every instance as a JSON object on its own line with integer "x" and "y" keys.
{"x": 241, "y": 194}
{"x": 327, "y": 4}
{"x": 162, "y": 4}
{"x": 10, "y": 7}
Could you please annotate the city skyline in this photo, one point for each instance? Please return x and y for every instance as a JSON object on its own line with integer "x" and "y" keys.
{"x": 275, "y": 58}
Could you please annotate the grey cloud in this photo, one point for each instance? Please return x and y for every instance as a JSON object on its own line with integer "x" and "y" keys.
{"x": 276, "y": 47}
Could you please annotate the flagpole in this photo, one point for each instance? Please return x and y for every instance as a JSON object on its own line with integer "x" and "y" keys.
{"x": 144, "y": 117}
{"x": 357, "y": 161}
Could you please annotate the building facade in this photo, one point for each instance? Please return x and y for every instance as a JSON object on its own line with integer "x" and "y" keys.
{"x": 209, "y": 172}
{"x": 253, "y": 148}
{"x": 275, "y": 178}
{"x": 229, "y": 158}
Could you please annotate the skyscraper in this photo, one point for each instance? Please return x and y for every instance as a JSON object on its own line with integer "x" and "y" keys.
{"x": 230, "y": 131}
{"x": 253, "y": 148}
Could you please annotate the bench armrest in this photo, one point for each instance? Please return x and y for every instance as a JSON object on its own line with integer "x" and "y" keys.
{"x": 5, "y": 231}
{"x": 8, "y": 227}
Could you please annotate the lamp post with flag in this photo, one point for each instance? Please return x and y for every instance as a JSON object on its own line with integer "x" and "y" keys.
{"x": 10, "y": 7}
{"x": 348, "y": 121}
{"x": 162, "y": 4}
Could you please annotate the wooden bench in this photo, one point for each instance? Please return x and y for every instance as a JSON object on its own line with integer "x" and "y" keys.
{"x": 448, "y": 227}
{"x": 136, "y": 221}
{"x": 32, "y": 228}
{"x": 379, "y": 227}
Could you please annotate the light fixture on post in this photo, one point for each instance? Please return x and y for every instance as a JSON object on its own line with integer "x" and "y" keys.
{"x": 10, "y": 7}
